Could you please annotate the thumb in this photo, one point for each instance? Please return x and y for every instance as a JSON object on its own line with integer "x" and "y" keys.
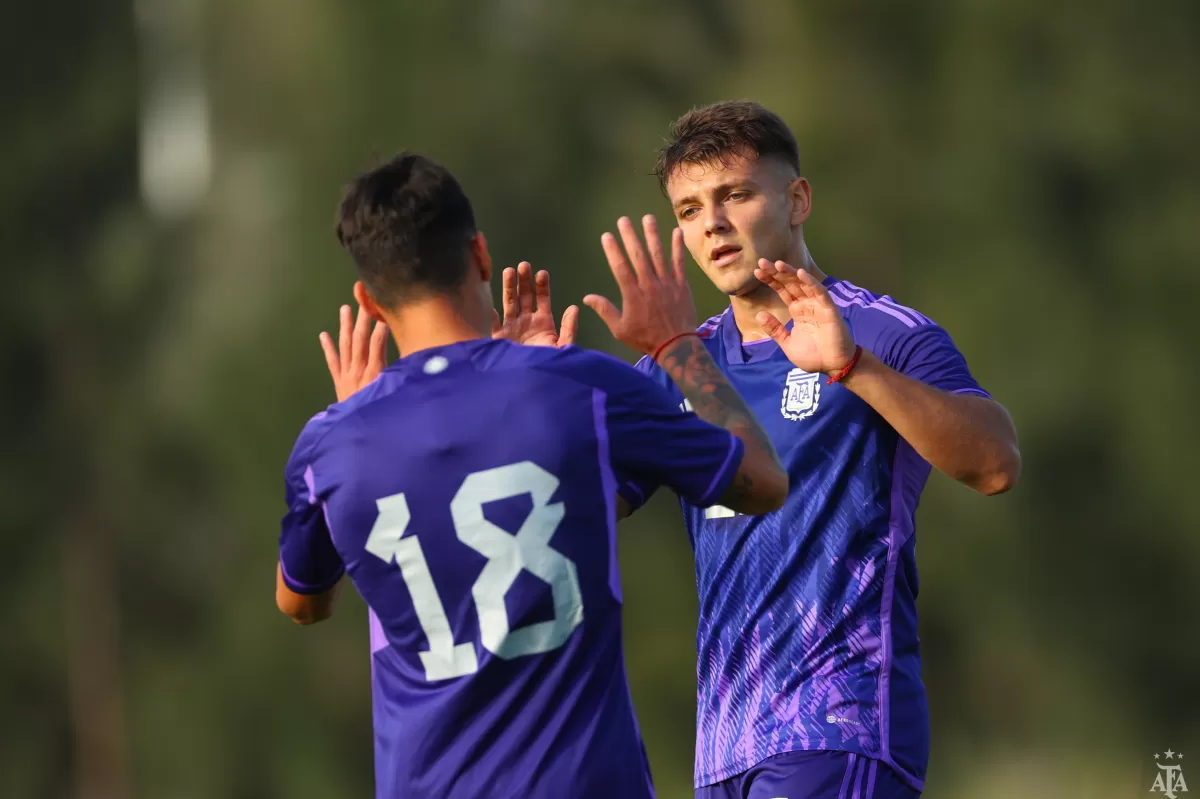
{"x": 570, "y": 324}
{"x": 773, "y": 328}
{"x": 605, "y": 310}
{"x": 495, "y": 322}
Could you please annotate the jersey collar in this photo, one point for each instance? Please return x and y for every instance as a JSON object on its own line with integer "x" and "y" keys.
{"x": 755, "y": 351}
{"x": 738, "y": 353}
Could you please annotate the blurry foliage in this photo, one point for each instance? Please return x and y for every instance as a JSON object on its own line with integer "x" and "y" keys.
{"x": 1023, "y": 172}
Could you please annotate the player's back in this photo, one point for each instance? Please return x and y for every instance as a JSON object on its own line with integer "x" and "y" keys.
{"x": 469, "y": 493}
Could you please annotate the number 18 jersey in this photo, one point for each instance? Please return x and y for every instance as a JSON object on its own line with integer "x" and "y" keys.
{"x": 469, "y": 495}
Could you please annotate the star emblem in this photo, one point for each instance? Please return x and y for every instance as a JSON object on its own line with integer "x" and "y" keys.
{"x": 1170, "y": 755}
{"x": 1156, "y": 756}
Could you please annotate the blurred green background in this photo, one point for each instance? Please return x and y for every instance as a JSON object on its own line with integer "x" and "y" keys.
{"x": 1024, "y": 172}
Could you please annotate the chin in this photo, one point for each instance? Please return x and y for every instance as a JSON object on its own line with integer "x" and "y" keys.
{"x": 731, "y": 282}
{"x": 740, "y": 286}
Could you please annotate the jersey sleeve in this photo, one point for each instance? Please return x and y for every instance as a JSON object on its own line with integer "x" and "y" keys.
{"x": 654, "y": 441}
{"x": 634, "y": 489}
{"x": 927, "y": 353}
{"x": 309, "y": 561}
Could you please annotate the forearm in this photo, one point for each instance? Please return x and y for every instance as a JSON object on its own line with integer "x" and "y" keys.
{"x": 303, "y": 608}
{"x": 714, "y": 400}
{"x": 969, "y": 438}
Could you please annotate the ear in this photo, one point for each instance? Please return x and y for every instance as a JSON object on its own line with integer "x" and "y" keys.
{"x": 367, "y": 302}
{"x": 481, "y": 257}
{"x": 800, "y": 197}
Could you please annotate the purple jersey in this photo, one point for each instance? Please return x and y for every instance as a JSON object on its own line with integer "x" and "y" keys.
{"x": 469, "y": 493}
{"x": 807, "y": 637}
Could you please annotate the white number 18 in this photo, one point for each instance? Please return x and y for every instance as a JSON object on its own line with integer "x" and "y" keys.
{"x": 507, "y": 555}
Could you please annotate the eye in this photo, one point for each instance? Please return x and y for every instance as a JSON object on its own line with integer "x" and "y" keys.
{"x": 688, "y": 213}
{"x": 738, "y": 195}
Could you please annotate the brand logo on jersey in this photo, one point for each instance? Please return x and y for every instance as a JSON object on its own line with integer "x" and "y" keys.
{"x": 1169, "y": 779}
{"x": 832, "y": 719}
{"x": 801, "y": 392}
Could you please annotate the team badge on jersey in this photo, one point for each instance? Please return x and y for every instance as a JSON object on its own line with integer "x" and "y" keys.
{"x": 801, "y": 392}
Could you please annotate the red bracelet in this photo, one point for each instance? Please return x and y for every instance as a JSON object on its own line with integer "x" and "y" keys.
{"x": 845, "y": 370}
{"x": 663, "y": 346}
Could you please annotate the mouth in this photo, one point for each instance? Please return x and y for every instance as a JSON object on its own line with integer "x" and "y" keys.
{"x": 724, "y": 255}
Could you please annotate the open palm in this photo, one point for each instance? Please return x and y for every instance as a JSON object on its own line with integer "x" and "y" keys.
{"x": 528, "y": 315}
{"x": 360, "y": 354}
{"x": 820, "y": 340}
{"x": 656, "y": 301}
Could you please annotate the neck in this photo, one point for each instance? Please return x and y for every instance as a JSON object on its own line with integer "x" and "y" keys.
{"x": 763, "y": 298}
{"x": 432, "y": 322}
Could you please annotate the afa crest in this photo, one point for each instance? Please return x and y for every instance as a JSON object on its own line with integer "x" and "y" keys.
{"x": 1169, "y": 779}
{"x": 801, "y": 393}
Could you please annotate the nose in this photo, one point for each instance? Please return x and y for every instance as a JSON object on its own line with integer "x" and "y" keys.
{"x": 715, "y": 221}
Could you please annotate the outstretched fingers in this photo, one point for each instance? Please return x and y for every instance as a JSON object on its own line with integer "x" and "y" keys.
{"x": 767, "y": 273}
{"x": 617, "y": 262}
{"x": 569, "y": 326}
{"x": 331, "y": 355}
{"x": 378, "y": 348}
{"x": 525, "y": 287}
{"x": 773, "y": 328}
{"x": 541, "y": 293}
{"x": 637, "y": 252}
{"x": 654, "y": 305}
{"x": 654, "y": 244}
{"x": 798, "y": 281}
{"x": 508, "y": 295}
{"x": 678, "y": 259}
{"x": 814, "y": 293}
{"x": 345, "y": 333}
{"x": 362, "y": 337}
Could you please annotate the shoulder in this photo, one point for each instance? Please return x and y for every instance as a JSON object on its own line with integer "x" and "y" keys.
{"x": 873, "y": 315}
{"x": 489, "y": 354}
{"x": 323, "y": 427}
{"x": 589, "y": 367}
{"x": 569, "y": 362}
{"x": 312, "y": 435}
{"x": 624, "y": 387}
{"x": 710, "y": 327}
{"x": 903, "y": 338}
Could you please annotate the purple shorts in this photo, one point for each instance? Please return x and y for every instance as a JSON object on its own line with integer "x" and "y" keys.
{"x": 813, "y": 775}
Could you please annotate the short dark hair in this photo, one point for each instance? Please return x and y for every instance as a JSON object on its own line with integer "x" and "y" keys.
{"x": 724, "y": 131}
{"x": 407, "y": 225}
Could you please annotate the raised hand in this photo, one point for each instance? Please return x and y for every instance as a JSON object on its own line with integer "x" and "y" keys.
{"x": 360, "y": 355}
{"x": 657, "y": 310}
{"x": 820, "y": 340}
{"x": 528, "y": 315}
{"x": 656, "y": 301}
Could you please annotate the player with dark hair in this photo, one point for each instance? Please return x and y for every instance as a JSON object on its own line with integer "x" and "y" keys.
{"x": 808, "y": 664}
{"x": 469, "y": 491}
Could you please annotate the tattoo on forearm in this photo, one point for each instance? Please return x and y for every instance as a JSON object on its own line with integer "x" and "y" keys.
{"x": 714, "y": 400}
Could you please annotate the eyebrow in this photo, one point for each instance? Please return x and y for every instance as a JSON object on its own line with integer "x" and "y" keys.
{"x": 721, "y": 188}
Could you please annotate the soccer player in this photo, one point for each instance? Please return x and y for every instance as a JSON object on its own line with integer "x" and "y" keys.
{"x": 469, "y": 492}
{"x": 809, "y": 668}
